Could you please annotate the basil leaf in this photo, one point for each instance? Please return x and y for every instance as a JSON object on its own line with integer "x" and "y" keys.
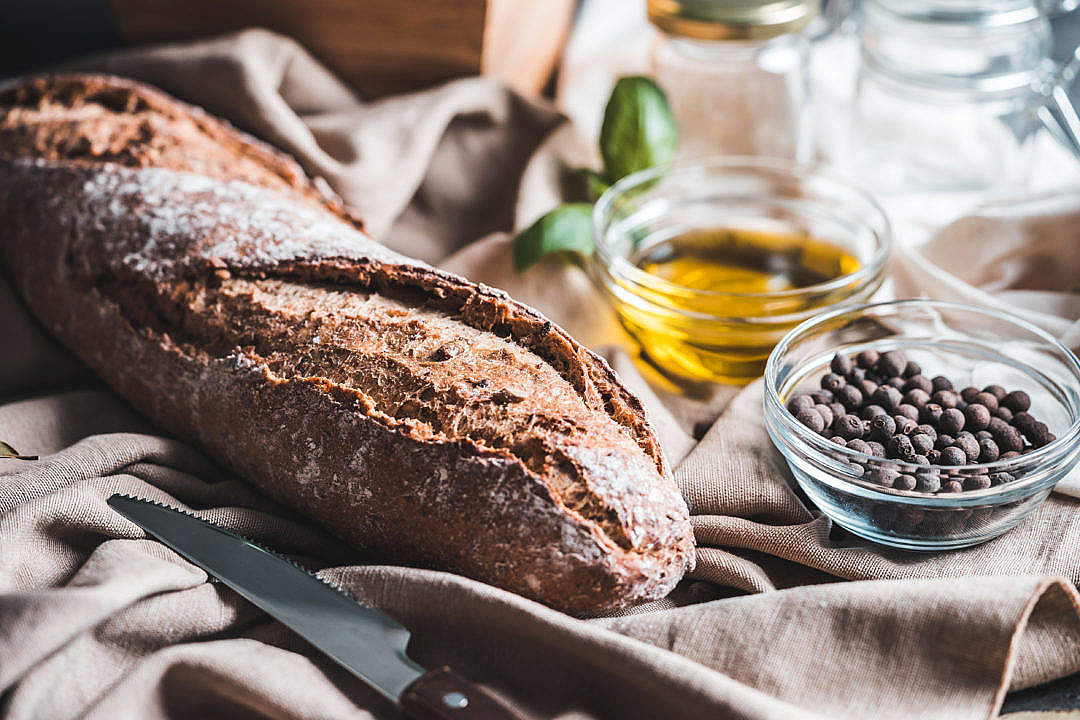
{"x": 639, "y": 130}
{"x": 567, "y": 228}
{"x": 6, "y": 451}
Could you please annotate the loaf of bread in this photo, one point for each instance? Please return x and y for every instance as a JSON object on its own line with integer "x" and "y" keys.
{"x": 424, "y": 419}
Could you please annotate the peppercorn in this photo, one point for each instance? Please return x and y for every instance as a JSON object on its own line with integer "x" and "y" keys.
{"x": 826, "y": 415}
{"x": 848, "y": 427}
{"x": 952, "y": 421}
{"x": 916, "y": 397}
{"x": 904, "y": 482}
{"x": 876, "y": 448}
{"x": 850, "y": 396}
{"x": 882, "y": 427}
{"x": 967, "y": 442}
{"x": 941, "y": 383}
{"x": 1016, "y": 401}
{"x": 832, "y": 382}
{"x": 904, "y": 425}
{"x": 868, "y": 387}
{"x": 858, "y": 446}
{"x": 799, "y": 402}
{"x": 811, "y": 419}
{"x": 890, "y": 364}
{"x": 976, "y": 417}
{"x": 976, "y": 482}
{"x": 883, "y": 477}
{"x": 922, "y": 443}
{"x": 930, "y": 413}
{"x": 987, "y": 399}
{"x": 899, "y": 446}
{"x": 867, "y": 358}
{"x": 996, "y": 390}
{"x": 1005, "y": 435}
{"x": 953, "y": 455}
{"x": 1022, "y": 421}
{"x": 927, "y": 482}
{"x": 841, "y": 364}
{"x": 909, "y": 411}
{"x": 988, "y": 451}
{"x": 918, "y": 382}
{"x": 888, "y": 397}
{"x": 912, "y": 369}
{"x": 945, "y": 398}
{"x": 869, "y": 411}
{"x": 837, "y": 408}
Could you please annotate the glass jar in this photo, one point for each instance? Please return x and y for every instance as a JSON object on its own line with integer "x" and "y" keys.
{"x": 736, "y": 74}
{"x": 950, "y": 95}
{"x": 700, "y": 331}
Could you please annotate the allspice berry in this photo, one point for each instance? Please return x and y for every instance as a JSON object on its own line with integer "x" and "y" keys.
{"x": 867, "y": 359}
{"x": 888, "y": 397}
{"x": 811, "y": 419}
{"x": 988, "y": 451}
{"x": 977, "y": 417}
{"x": 848, "y": 427}
{"x": 912, "y": 369}
{"x": 916, "y": 397}
{"x": 987, "y": 399}
{"x": 941, "y": 383}
{"x": 922, "y": 443}
{"x": 841, "y": 364}
{"x": 952, "y": 421}
{"x": 1016, "y": 401}
{"x": 832, "y": 382}
{"x": 890, "y": 364}
{"x": 799, "y": 402}
{"x": 882, "y": 427}
{"x": 996, "y": 390}
{"x": 953, "y": 456}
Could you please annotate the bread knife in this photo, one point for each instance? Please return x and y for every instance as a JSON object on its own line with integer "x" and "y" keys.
{"x": 365, "y": 641}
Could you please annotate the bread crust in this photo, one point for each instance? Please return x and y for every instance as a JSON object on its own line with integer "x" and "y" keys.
{"x": 423, "y": 418}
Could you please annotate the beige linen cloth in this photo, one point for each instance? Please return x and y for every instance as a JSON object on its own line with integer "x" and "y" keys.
{"x": 783, "y": 617}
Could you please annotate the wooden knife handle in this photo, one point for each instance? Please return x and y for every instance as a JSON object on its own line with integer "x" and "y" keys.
{"x": 443, "y": 695}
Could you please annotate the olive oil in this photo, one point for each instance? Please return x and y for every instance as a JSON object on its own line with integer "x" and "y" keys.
{"x": 713, "y": 303}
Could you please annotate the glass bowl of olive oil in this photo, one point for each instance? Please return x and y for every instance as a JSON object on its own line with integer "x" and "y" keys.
{"x": 709, "y": 263}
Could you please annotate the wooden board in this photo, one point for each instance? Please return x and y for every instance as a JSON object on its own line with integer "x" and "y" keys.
{"x": 380, "y": 46}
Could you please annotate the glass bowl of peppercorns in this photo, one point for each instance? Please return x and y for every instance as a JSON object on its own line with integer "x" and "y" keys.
{"x": 924, "y": 425}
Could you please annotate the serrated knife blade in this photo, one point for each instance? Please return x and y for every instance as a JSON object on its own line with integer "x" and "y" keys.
{"x": 364, "y": 640}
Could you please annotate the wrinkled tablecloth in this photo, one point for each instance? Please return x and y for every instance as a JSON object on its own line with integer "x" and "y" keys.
{"x": 783, "y": 617}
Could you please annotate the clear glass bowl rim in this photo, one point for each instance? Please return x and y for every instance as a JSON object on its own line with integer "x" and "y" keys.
{"x": 813, "y": 445}
{"x": 617, "y": 266}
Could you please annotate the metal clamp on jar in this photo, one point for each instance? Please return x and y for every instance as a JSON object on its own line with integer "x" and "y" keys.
{"x": 736, "y": 74}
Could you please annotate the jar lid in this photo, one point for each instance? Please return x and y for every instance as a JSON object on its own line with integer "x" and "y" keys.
{"x": 731, "y": 19}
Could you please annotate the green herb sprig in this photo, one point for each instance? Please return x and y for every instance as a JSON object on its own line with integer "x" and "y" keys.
{"x": 639, "y": 132}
